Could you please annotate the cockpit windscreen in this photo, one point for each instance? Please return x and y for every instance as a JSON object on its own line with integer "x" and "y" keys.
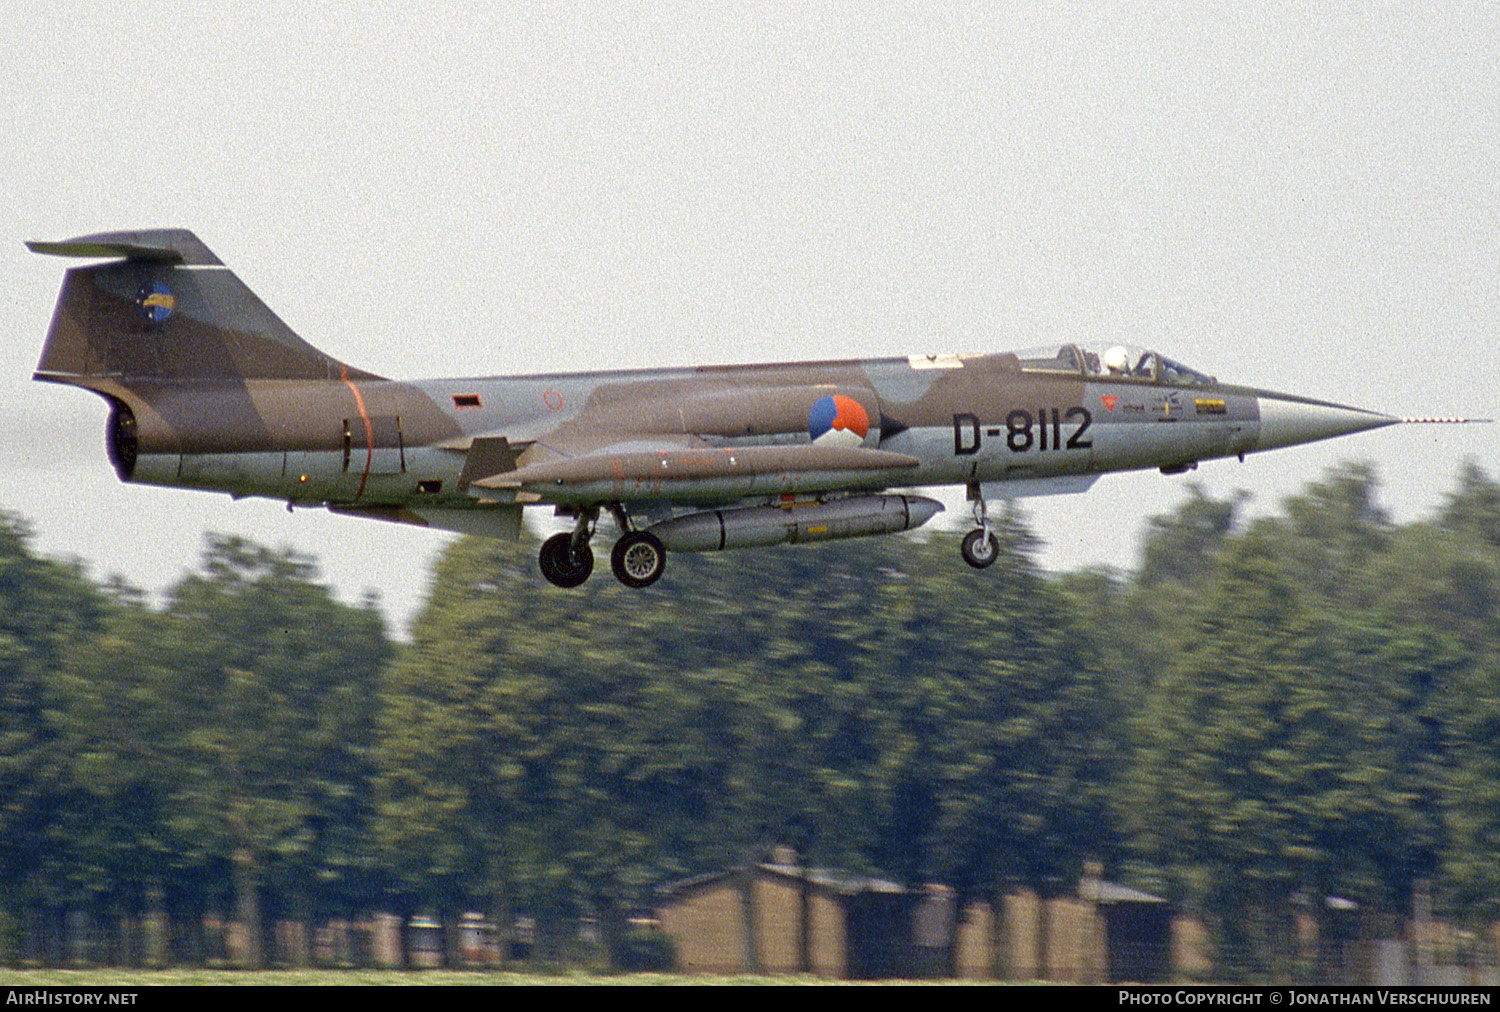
{"x": 1119, "y": 361}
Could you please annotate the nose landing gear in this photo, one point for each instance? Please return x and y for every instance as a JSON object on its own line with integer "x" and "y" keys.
{"x": 980, "y": 548}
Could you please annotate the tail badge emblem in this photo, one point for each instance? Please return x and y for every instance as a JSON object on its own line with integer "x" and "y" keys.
{"x": 156, "y": 302}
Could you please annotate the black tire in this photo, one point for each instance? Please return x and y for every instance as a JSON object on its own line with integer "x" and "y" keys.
{"x": 562, "y": 564}
{"x": 978, "y": 550}
{"x": 638, "y": 559}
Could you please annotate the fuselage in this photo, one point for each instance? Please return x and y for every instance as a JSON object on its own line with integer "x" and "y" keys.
{"x": 986, "y": 419}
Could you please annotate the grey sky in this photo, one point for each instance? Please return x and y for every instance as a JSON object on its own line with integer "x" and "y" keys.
{"x": 1300, "y": 197}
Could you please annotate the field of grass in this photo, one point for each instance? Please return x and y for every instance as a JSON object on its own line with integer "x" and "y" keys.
{"x": 128, "y": 979}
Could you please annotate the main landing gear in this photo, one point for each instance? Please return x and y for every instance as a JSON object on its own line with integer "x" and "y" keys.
{"x": 980, "y": 548}
{"x": 637, "y": 560}
{"x": 564, "y": 563}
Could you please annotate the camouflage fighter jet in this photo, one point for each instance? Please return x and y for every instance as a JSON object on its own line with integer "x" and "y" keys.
{"x": 209, "y": 389}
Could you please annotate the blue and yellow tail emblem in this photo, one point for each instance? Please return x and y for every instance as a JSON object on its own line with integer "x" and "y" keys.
{"x": 156, "y": 302}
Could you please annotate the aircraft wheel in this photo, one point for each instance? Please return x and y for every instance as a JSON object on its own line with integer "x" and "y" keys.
{"x": 979, "y": 549}
{"x": 638, "y": 559}
{"x": 562, "y": 564}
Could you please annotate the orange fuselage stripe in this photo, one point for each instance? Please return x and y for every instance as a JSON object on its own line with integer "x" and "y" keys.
{"x": 364, "y": 416}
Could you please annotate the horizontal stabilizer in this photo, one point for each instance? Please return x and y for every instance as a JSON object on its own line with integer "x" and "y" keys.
{"x": 679, "y": 463}
{"x": 165, "y": 246}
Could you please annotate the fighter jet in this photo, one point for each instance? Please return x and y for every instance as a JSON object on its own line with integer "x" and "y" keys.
{"x": 209, "y": 389}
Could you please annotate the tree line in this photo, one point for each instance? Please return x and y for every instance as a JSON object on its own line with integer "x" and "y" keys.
{"x": 1300, "y": 705}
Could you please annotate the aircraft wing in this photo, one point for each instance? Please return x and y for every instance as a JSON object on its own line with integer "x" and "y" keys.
{"x": 638, "y": 461}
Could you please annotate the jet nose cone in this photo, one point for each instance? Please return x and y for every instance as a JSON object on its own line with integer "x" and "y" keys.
{"x": 1289, "y": 421}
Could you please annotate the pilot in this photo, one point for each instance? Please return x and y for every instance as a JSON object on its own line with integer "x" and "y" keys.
{"x": 1117, "y": 360}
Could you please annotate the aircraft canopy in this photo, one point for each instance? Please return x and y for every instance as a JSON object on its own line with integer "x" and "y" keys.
{"x": 1120, "y": 361}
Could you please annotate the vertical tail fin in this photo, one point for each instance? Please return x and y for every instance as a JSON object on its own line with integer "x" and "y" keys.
{"x": 166, "y": 308}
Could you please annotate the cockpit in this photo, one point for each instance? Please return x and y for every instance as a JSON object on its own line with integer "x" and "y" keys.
{"x": 1118, "y": 361}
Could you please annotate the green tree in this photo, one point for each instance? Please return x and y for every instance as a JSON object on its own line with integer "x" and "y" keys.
{"x": 1182, "y": 547}
{"x": 1336, "y": 528}
{"x": 1027, "y": 735}
{"x": 120, "y": 773}
{"x": 46, "y": 610}
{"x": 532, "y": 744}
{"x": 1294, "y": 743}
{"x": 1473, "y": 508}
{"x": 271, "y": 689}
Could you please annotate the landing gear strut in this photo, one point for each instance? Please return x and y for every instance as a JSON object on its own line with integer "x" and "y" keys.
{"x": 638, "y": 558}
{"x": 565, "y": 563}
{"x": 980, "y": 548}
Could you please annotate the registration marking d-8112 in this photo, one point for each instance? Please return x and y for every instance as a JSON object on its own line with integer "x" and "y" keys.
{"x": 1023, "y": 430}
